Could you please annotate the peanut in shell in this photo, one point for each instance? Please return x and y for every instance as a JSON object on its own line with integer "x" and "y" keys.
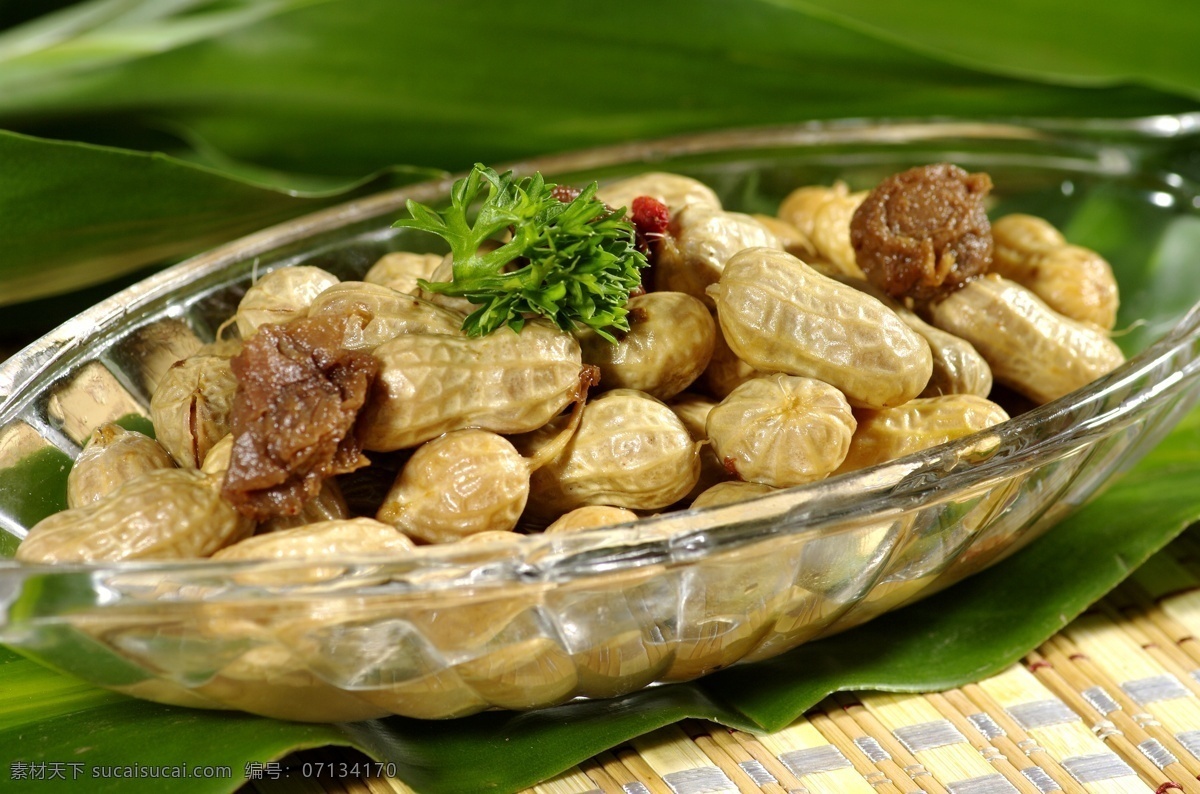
{"x": 506, "y": 382}
{"x": 779, "y": 315}
{"x": 782, "y": 430}
{"x": 1030, "y": 347}
{"x": 164, "y": 514}
{"x": 918, "y": 424}
{"x": 112, "y": 457}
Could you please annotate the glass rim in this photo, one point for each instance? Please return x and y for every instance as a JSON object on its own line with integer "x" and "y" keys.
{"x": 681, "y": 536}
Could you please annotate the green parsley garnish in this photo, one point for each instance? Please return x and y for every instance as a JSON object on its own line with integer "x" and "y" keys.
{"x": 572, "y": 262}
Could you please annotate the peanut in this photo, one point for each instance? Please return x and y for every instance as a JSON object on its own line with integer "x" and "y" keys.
{"x": 281, "y": 295}
{"x": 400, "y": 270}
{"x": 459, "y": 484}
{"x": 432, "y": 384}
{"x": 491, "y": 536}
{"x": 731, "y": 492}
{"x": 957, "y": 366}
{"x": 163, "y": 514}
{"x": 673, "y": 190}
{"x": 668, "y": 345}
{"x": 822, "y": 214}
{"x": 780, "y": 315}
{"x": 794, "y": 241}
{"x": 725, "y": 371}
{"x": 191, "y": 407}
{"x": 918, "y": 424}
{"x": 112, "y": 457}
{"x": 219, "y": 456}
{"x": 1030, "y": 347}
{"x": 693, "y": 253}
{"x": 693, "y": 411}
{"x": 319, "y": 541}
{"x": 1074, "y": 281}
{"x": 590, "y": 517}
{"x": 781, "y": 430}
{"x": 379, "y": 314}
{"x": 630, "y": 451}
{"x": 225, "y": 348}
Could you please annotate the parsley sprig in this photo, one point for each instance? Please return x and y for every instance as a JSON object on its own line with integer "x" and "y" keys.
{"x": 572, "y": 262}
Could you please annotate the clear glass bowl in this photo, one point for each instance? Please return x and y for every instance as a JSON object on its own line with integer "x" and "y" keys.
{"x": 454, "y": 630}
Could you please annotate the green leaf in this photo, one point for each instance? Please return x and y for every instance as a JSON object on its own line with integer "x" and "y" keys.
{"x": 346, "y": 88}
{"x": 1070, "y": 41}
{"x": 74, "y": 214}
{"x": 107, "y": 729}
{"x": 569, "y": 256}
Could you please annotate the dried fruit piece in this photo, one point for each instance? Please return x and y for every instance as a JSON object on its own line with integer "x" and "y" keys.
{"x": 327, "y": 505}
{"x": 650, "y": 218}
{"x": 298, "y": 397}
{"x": 924, "y": 232}
{"x": 163, "y": 514}
{"x": 112, "y": 457}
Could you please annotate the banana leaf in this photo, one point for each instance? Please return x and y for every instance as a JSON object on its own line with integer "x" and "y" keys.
{"x": 279, "y": 105}
{"x": 71, "y": 211}
{"x": 1073, "y": 42}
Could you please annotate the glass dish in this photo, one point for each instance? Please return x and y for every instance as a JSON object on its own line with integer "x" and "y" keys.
{"x": 454, "y": 630}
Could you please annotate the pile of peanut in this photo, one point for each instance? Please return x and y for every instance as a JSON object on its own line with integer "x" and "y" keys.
{"x": 762, "y": 357}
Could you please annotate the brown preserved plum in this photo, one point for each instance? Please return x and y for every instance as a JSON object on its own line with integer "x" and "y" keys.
{"x": 298, "y": 397}
{"x": 924, "y": 232}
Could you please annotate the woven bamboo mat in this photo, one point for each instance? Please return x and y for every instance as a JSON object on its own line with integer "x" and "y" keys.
{"x": 1111, "y": 704}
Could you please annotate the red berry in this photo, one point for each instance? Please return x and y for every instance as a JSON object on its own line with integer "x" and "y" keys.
{"x": 650, "y": 216}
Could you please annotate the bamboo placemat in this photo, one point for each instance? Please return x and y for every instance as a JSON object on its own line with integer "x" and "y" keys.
{"x": 1109, "y": 705}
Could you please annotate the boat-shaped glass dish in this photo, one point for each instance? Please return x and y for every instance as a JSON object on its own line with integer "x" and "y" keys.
{"x": 456, "y": 629}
